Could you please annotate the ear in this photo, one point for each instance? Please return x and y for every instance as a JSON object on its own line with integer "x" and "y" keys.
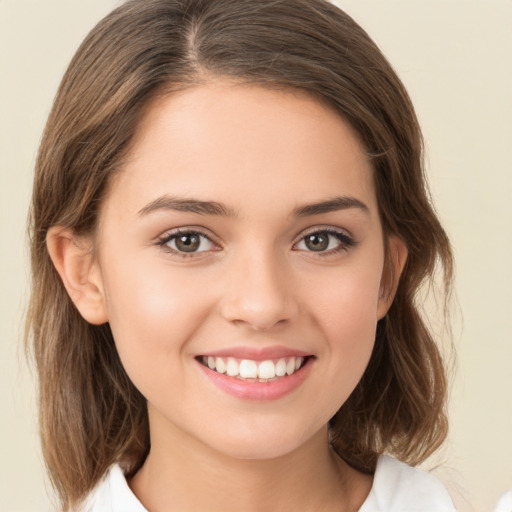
{"x": 74, "y": 261}
{"x": 393, "y": 267}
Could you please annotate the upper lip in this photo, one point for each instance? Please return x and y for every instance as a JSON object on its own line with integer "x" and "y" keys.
{"x": 257, "y": 353}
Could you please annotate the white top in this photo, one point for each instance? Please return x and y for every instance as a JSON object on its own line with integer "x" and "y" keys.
{"x": 396, "y": 488}
{"x": 504, "y": 503}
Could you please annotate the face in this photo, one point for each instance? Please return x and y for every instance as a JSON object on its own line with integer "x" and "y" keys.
{"x": 241, "y": 259}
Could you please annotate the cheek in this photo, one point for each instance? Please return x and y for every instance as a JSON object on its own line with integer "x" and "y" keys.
{"x": 152, "y": 312}
{"x": 346, "y": 312}
{"x": 350, "y": 327}
{"x": 348, "y": 296}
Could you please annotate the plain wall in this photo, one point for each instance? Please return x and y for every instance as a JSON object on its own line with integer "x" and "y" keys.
{"x": 455, "y": 58}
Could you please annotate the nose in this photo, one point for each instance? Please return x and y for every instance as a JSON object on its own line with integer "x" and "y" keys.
{"x": 260, "y": 294}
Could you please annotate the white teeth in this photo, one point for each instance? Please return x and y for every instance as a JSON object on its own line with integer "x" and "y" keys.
{"x": 281, "y": 368}
{"x": 249, "y": 369}
{"x": 232, "y": 368}
{"x": 266, "y": 370}
{"x": 220, "y": 365}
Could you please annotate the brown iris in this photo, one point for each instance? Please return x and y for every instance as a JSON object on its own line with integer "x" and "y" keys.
{"x": 317, "y": 241}
{"x": 189, "y": 242}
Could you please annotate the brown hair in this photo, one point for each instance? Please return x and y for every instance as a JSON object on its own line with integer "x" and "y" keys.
{"x": 91, "y": 415}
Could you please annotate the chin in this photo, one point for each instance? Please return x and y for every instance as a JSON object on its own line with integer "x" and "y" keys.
{"x": 258, "y": 451}
{"x": 261, "y": 444}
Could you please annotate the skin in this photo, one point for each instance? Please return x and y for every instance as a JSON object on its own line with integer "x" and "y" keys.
{"x": 254, "y": 283}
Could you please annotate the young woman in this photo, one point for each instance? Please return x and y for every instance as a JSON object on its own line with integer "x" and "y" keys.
{"x": 230, "y": 224}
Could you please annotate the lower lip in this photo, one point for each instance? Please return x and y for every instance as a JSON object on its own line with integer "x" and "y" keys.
{"x": 257, "y": 391}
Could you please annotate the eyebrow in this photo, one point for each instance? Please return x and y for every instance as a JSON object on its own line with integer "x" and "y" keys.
{"x": 187, "y": 205}
{"x": 330, "y": 205}
{"x": 200, "y": 207}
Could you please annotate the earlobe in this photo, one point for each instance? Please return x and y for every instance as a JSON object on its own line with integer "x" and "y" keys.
{"x": 396, "y": 259}
{"x": 73, "y": 259}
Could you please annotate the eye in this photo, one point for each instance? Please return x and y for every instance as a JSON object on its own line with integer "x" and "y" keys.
{"x": 186, "y": 242}
{"x": 325, "y": 240}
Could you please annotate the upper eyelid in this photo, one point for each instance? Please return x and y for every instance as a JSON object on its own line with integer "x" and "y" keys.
{"x": 171, "y": 233}
{"x": 324, "y": 228}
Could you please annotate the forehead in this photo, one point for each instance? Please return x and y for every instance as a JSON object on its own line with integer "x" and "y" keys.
{"x": 246, "y": 146}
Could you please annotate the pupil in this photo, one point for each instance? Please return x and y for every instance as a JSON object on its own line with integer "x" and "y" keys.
{"x": 187, "y": 243}
{"x": 317, "y": 242}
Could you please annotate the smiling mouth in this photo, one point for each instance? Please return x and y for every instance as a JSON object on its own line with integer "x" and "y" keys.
{"x": 256, "y": 371}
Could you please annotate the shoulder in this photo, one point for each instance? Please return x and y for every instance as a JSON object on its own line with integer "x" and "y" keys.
{"x": 398, "y": 487}
{"x": 112, "y": 494}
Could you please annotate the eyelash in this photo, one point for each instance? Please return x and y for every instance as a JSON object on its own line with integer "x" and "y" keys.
{"x": 346, "y": 241}
{"x": 169, "y": 237}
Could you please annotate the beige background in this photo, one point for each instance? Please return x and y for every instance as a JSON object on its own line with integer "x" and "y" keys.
{"x": 455, "y": 57}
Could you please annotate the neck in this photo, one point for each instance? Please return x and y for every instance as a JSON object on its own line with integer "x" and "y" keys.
{"x": 189, "y": 476}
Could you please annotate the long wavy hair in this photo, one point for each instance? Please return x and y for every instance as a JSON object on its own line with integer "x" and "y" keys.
{"x": 90, "y": 413}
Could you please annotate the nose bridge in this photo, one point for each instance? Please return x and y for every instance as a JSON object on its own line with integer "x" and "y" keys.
{"x": 260, "y": 292}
